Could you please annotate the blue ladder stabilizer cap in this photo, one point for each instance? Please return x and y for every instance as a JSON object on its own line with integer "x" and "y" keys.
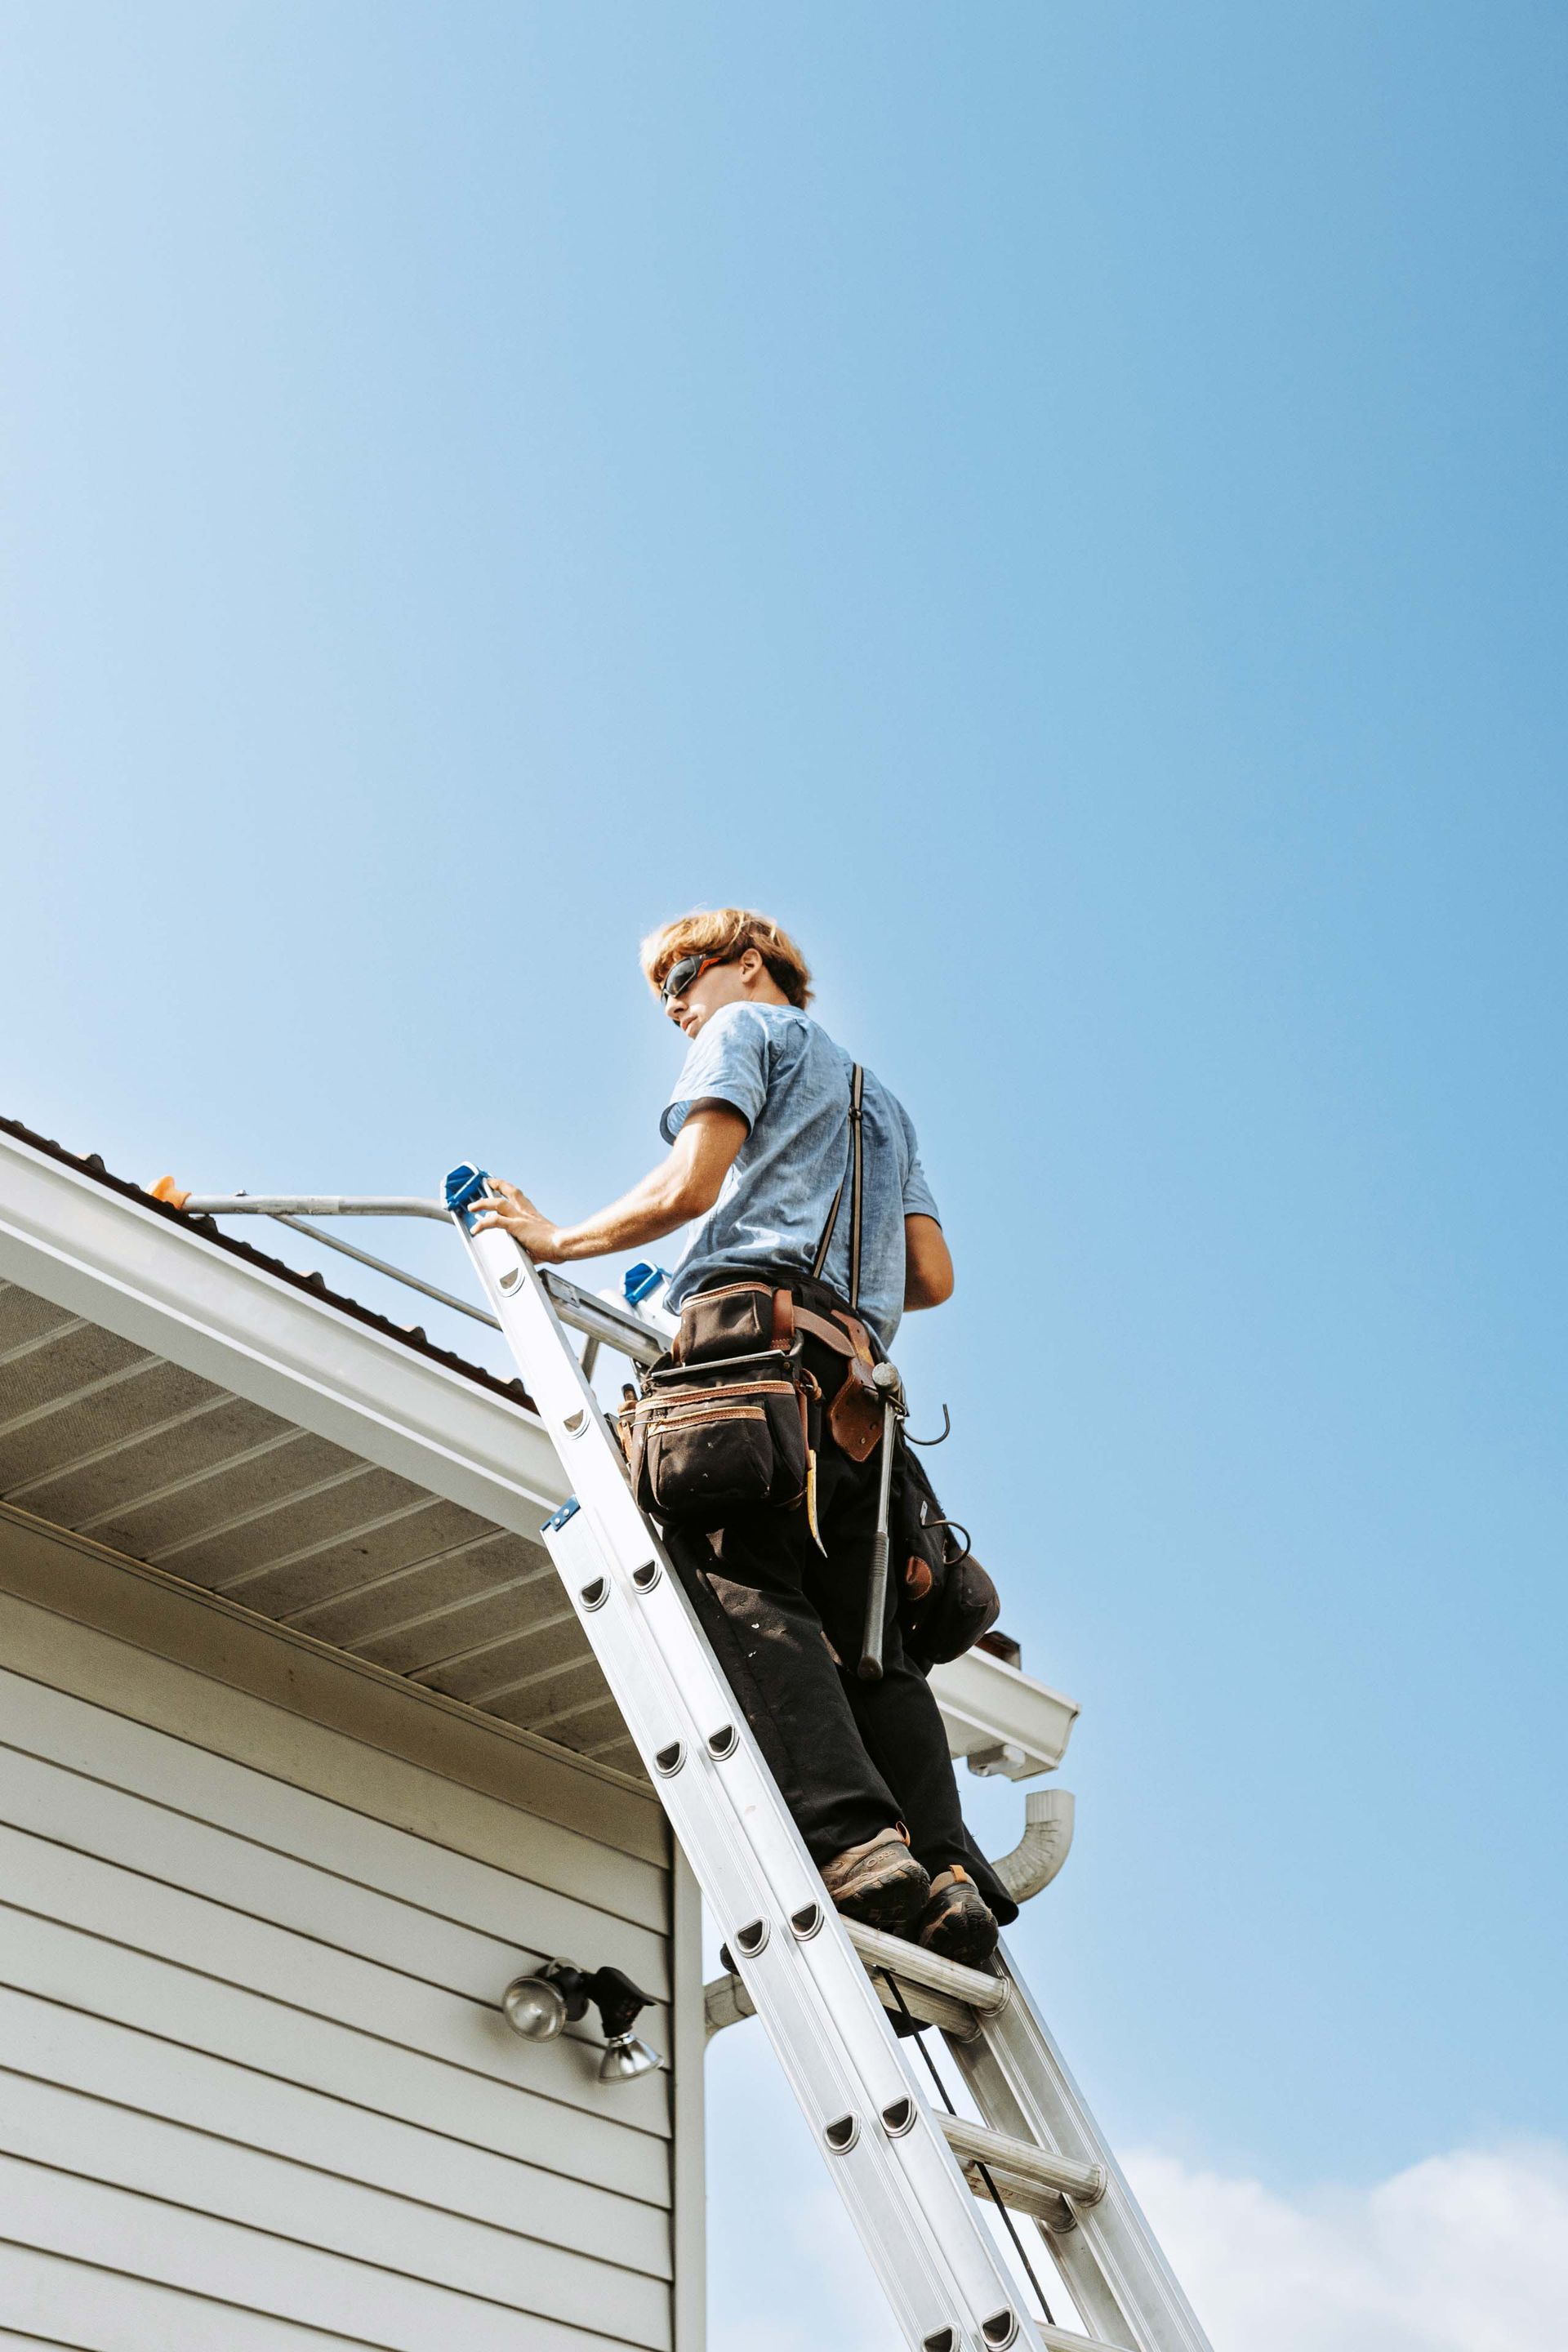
{"x": 568, "y": 1510}
{"x": 464, "y": 1186}
{"x": 639, "y": 1280}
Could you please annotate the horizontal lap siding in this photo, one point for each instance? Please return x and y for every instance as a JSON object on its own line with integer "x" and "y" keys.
{"x": 102, "y": 2228}
{"x": 296, "y": 1973}
{"x": 271, "y": 1813}
{"x": 340, "y": 1899}
{"x": 255, "y": 2083}
{"x": 48, "y": 2041}
{"x": 131, "y": 2315}
{"x": 76, "y": 2134}
{"x": 173, "y": 2004}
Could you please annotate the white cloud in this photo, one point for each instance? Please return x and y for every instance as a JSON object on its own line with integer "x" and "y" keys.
{"x": 1463, "y": 2253}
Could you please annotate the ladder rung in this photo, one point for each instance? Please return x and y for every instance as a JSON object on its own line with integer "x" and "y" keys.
{"x": 727, "y": 2002}
{"x": 1020, "y": 2161}
{"x": 936, "y": 1991}
{"x": 602, "y": 1319}
{"x": 912, "y": 1965}
{"x": 1062, "y": 2339}
{"x": 1044, "y": 2205}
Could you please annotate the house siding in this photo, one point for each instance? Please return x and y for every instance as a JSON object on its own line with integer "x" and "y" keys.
{"x": 256, "y": 2086}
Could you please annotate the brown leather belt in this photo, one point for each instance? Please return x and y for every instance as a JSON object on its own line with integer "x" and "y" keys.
{"x": 854, "y": 1413}
{"x": 845, "y": 1334}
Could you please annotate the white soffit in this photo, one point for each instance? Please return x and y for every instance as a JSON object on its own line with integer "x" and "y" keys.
{"x": 139, "y": 1274}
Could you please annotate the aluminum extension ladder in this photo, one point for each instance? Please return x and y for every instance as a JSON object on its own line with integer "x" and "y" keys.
{"x": 899, "y": 2165}
{"x": 909, "y": 2174}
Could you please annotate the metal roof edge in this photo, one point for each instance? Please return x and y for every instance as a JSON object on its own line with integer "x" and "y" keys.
{"x": 106, "y": 1251}
{"x": 209, "y": 1230}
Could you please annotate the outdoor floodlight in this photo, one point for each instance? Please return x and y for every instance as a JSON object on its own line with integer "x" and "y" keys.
{"x": 542, "y": 2006}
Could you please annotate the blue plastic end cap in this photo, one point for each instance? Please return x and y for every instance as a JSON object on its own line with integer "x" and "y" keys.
{"x": 639, "y": 1280}
{"x": 464, "y": 1186}
{"x": 568, "y": 1510}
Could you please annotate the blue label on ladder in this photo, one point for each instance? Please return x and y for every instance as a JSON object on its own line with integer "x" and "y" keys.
{"x": 568, "y": 1510}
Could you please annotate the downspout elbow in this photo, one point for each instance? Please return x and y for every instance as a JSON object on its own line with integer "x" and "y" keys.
{"x": 1040, "y": 1853}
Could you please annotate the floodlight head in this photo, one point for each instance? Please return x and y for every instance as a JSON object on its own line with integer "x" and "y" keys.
{"x": 626, "y": 2058}
{"x": 535, "y": 2008}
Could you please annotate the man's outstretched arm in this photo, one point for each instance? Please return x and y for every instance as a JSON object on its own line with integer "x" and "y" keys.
{"x": 683, "y": 1186}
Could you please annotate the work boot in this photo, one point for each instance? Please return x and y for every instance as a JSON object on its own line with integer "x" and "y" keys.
{"x": 880, "y": 1882}
{"x": 957, "y": 1922}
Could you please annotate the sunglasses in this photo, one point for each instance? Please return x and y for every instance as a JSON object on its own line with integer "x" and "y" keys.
{"x": 680, "y": 977}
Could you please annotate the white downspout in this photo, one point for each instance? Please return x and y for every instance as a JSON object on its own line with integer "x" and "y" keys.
{"x": 1042, "y": 1848}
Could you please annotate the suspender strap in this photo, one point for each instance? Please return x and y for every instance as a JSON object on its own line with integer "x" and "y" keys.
{"x": 851, "y": 1177}
{"x": 857, "y": 1085}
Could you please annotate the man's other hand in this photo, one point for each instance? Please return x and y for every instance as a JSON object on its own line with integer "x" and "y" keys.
{"x": 515, "y": 1213}
{"x": 928, "y": 1269}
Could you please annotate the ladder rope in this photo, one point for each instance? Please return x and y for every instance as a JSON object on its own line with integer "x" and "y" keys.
{"x": 917, "y": 2034}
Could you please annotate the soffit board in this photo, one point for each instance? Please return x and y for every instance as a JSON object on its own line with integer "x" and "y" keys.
{"x": 193, "y": 1405}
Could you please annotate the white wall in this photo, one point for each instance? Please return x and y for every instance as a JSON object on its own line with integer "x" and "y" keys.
{"x": 253, "y": 2077}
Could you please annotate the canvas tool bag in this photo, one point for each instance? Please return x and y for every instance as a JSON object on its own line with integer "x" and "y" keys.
{"x": 946, "y": 1600}
{"x": 724, "y": 1421}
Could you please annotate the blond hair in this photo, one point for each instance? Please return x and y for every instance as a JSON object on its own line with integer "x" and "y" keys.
{"x": 728, "y": 931}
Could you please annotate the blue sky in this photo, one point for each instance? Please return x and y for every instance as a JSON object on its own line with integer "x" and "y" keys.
{"x": 1062, "y": 506}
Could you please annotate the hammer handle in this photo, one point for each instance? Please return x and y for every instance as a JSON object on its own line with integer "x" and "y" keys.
{"x": 870, "y": 1667}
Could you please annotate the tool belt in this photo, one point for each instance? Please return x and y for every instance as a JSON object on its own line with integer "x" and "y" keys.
{"x": 731, "y": 1417}
{"x": 745, "y": 1319}
{"x": 723, "y": 1422}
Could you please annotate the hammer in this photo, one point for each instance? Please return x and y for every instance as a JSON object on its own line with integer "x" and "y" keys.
{"x": 892, "y": 1394}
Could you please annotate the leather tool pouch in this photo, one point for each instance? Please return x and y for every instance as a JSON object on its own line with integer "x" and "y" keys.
{"x": 723, "y": 1422}
{"x": 946, "y": 1600}
{"x": 855, "y": 1416}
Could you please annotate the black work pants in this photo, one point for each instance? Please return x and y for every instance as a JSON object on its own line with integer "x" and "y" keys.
{"x": 786, "y": 1624}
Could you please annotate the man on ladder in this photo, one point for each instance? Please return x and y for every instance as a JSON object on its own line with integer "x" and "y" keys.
{"x": 771, "y": 1126}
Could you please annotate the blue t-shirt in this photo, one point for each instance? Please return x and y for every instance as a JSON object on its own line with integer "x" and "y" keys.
{"x": 790, "y": 1083}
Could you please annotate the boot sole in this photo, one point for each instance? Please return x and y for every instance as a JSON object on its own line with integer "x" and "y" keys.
{"x": 962, "y": 1937}
{"x": 887, "y": 1903}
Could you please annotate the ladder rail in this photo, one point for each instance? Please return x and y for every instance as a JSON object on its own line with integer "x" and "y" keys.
{"x": 803, "y": 2018}
{"x": 1110, "y": 2261}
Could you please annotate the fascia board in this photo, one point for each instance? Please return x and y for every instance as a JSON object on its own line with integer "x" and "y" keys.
{"x": 117, "y": 1263}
